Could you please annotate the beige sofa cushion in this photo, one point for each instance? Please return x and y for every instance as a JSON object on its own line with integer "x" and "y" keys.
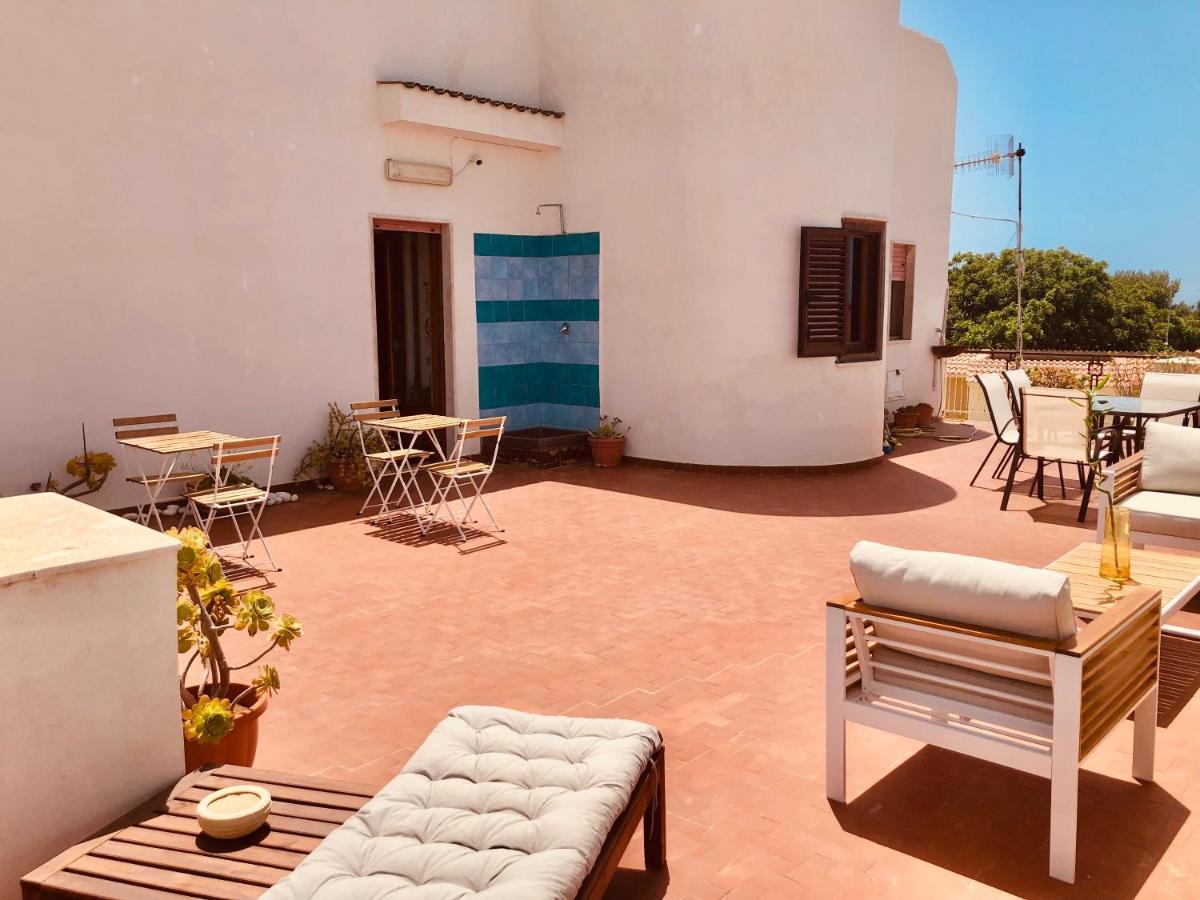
{"x": 1161, "y": 512}
{"x": 971, "y": 591}
{"x": 1171, "y": 459}
{"x": 496, "y": 804}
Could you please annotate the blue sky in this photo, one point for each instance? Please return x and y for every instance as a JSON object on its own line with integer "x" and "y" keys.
{"x": 1105, "y": 96}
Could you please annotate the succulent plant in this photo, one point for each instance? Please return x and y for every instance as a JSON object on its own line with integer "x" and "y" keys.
{"x": 206, "y": 606}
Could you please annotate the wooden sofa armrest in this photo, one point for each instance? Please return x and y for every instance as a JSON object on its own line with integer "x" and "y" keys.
{"x": 1124, "y": 476}
{"x": 858, "y": 607}
{"x": 1113, "y": 625}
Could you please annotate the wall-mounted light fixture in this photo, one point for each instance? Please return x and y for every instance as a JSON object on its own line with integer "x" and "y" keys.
{"x": 419, "y": 173}
{"x": 564, "y": 328}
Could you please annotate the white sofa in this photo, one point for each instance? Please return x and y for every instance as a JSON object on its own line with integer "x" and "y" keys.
{"x": 983, "y": 658}
{"x": 1160, "y": 486}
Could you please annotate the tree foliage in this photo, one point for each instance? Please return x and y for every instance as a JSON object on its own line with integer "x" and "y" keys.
{"x": 1071, "y": 302}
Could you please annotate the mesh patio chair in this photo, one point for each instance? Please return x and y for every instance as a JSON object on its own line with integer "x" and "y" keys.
{"x": 1017, "y": 379}
{"x": 1004, "y": 421}
{"x": 1172, "y": 386}
{"x": 390, "y": 466}
{"x": 1054, "y": 430}
{"x": 457, "y": 471}
{"x": 232, "y": 496}
{"x": 154, "y": 485}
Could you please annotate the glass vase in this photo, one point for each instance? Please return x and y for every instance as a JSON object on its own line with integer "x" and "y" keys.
{"x": 1117, "y": 546}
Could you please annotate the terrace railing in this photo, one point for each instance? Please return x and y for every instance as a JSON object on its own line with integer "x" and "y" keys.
{"x": 963, "y": 400}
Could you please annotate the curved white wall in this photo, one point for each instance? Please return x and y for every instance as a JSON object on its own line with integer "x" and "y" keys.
{"x": 188, "y": 193}
{"x": 701, "y": 137}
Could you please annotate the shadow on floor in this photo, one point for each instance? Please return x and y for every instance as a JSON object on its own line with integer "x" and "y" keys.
{"x": 403, "y": 529}
{"x": 992, "y": 824}
{"x": 962, "y": 432}
{"x": 638, "y": 884}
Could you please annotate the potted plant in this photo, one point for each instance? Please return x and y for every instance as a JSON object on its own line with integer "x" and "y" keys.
{"x": 607, "y": 440}
{"x": 337, "y": 456}
{"x": 924, "y": 414}
{"x": 220, "y": 711}
{"x": 905, "y": 417}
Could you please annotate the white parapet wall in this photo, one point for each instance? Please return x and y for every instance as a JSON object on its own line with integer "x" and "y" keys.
{"x": 87, "y": 675}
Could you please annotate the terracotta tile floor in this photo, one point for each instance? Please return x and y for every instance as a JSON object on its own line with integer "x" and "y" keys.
{"x": 694, "y": 602}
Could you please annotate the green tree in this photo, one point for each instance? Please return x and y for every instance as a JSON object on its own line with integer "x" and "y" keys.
{"x": 1071, "y": 303}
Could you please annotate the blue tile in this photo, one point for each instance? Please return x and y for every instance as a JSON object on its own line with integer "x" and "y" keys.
{"x": 560, "y": 287}
{"x": 591, "y": 311}
{"x": 589, "y": 332}
{"x": 545, "y": 267}
{"x": 575, "y": 266}
{"x": 590, "y": 242}
{"x": 480, "y": 281}
{"x": 529, "y": 289}
{"x": 482, "y": 244}
{"x": 483, "y": 312}
{"x": 483, "y": 266}
{"x": 485, "y": 333}
{"x": 590, "y": 264}
{"x": 514, "y": 288}
{"x": 560, "y": 268}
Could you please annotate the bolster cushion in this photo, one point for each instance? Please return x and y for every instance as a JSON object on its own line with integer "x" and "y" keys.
{"x": 1171, "y": 459}
{"x": 965, "y": 589}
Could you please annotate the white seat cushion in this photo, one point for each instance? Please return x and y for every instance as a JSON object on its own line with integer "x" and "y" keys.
{"x": 496, "y": 803}
{"x": 1171, "y": 459}
{"x": 970, "y": 591}
{"x": 1161, "y": 512}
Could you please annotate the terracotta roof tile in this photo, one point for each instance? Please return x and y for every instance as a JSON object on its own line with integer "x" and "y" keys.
{"x": 506, "y": 104}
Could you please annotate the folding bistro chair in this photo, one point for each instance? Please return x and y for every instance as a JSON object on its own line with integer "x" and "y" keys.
{"x": 130, "y": 427}
{"x": 453, "y": 473}
{"x": 231, "y": 500}
{"x": 1004, "y": 422}
{"x": 397, "y": 463}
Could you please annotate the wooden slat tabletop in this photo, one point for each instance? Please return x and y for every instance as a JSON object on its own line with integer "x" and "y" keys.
{"x": 421, "y": 422}
{"x": 158, "y": 851}
{"x": 1172, "y": 573}
{"x": 184, "y": 442}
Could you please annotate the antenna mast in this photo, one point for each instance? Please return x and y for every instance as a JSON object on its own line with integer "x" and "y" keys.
{"x": 999, "y": 160}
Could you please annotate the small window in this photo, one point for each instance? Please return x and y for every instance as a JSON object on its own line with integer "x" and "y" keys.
{"x": 841, "y": 290}
{"x": 900, "y": 306}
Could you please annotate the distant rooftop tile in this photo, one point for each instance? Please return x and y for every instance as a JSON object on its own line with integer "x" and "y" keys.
{"x": 475, "y": 98}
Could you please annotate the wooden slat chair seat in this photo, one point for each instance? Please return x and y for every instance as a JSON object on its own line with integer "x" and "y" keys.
{"x": 457, "y": 471}
{"x": 237, "y": 493}
{"x": 228, "y": 501}
{"x": 1038, "y": 700}
{"x": 398, "y": 453}
{"x": 127, "y": 427}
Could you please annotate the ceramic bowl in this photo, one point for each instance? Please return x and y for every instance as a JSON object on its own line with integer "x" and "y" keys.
{"x": 233, "y": 812}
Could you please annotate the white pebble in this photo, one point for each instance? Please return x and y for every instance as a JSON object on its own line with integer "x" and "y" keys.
{"x": 170, "y": 510}
{"x": 294, "y": 498}
{"x": 130, "y": 516}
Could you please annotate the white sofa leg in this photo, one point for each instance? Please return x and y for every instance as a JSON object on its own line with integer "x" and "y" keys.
{"x": 1145, "y": 726}
{"x": 1064, "y": 768}
{"x": 835, "y": 696}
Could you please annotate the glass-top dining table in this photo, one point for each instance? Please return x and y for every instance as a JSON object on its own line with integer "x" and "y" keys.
{"x": 1129, "y": 415}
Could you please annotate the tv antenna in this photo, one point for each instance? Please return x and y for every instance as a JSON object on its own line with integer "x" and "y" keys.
{"x": 999, "y": 159}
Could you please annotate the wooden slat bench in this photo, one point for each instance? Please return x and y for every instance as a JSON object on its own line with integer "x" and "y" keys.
{"x": 157, "y": 851}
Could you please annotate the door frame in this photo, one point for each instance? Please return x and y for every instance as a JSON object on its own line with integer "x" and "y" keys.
{"x": 445, "y": 308}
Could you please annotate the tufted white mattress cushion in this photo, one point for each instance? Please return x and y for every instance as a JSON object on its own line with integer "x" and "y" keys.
{"x": 496, "y": 803}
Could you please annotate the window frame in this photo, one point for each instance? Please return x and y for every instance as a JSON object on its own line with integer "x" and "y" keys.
{"x": 871, "y": 348}
{"x": 906, "y": 309}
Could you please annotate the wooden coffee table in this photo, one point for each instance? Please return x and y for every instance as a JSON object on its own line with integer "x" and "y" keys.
{"x": 158, "y": 850}
{"x": 1176, "y": 575}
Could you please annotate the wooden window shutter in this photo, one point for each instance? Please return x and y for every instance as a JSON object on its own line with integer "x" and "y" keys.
{"x": 825, "y": 256}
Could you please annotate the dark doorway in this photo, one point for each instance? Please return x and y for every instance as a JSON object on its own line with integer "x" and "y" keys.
{"x": 409, "y": 315}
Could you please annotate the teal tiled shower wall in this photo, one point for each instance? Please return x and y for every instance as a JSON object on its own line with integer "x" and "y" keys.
{"x": 526, "y": 288}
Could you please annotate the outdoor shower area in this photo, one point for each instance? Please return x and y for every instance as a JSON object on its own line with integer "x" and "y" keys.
{"x": 537, "y": 308}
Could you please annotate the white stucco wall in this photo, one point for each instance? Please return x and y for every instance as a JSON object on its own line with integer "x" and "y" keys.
{"x": 188, "y": 194}
{"x": 927, "y": 93}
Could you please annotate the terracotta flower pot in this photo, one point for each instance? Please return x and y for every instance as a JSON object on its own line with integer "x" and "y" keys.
{"x": 344, "y": 477}
{"x": 924, "y": 414}
{"x": 607, "y": 452}
{"x": 904, "y": 419}
{"x": 236, "y": 748}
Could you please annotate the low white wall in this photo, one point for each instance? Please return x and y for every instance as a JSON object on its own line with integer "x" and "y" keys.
{"x": 87, "y": 675}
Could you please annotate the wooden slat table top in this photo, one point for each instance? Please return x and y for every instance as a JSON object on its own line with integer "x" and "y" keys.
{"x": 158, "y": 852}
{"x": 420, "y": 422}
{"x": 184, "y": 442}
{"x": 1176, "y": 575}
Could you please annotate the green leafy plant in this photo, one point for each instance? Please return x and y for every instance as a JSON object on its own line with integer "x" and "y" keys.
{"x": 207, "y": 606}
{"x": 609, "y": 427}
{"x": 339, "y": 446}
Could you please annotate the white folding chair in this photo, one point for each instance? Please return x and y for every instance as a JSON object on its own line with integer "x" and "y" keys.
{"x": 130, "y": 427}
{"x": 399, "y": 463}
{"x": 1017, "y": 379}
{"x": 454, "y": 472}
{"x": 229, "y": 500}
